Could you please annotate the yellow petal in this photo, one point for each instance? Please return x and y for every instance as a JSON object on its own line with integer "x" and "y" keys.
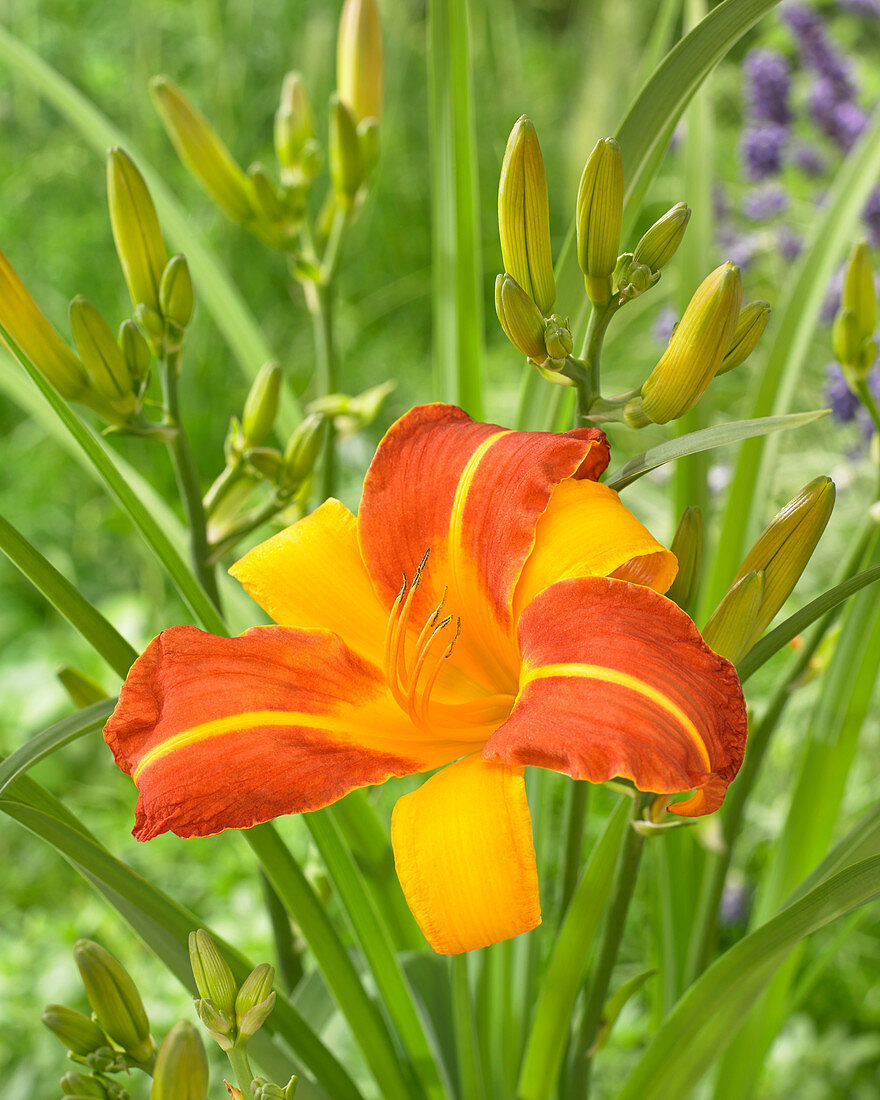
{"x": 586, "y": 532}
{"x": 464, "y": 855}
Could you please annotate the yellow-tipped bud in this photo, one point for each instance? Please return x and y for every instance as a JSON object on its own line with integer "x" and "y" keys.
{"x": 524, "y": 216}
{"x": 101, "y": 356}
{"x": 731, "y": 627}
{"x": 136, "y": 229}
{"x": 687, "y": 545}
{"x": 293, "y": 121}
{"x": 176, "y": 292}
{"x": 786, "y": 545}
{"x": 346, "y": 165}
{"x": 600, "y": 218}
{"x": 181, "y": 1071}
{"x": 303, "y": 449}
{"x": 213, "y": 977}
{"x": 261, "y": 406}
{"x": 695, "y": 349}
{"x": 749, "y": 329}
{"x": 859, "y": 295}
{"x": 661, "y": 242}
{"x": 520, "y": 318}
{"x": 22, "y": 319}
{"x": 78, "y": 1033}
{"x": 359, "y": 59}
{"x": 202, "y": 151}
{"x": 135, "y": 349}
{"x": 115, "y": 999}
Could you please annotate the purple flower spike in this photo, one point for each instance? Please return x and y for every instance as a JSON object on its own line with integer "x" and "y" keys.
{"x": 817, "y": 51}
{"x": 789, "y": 243}
{"x": 761, "y": 148}
{"x": 841, "y": 400}
{"x": 809, "y": 160}
{"x": 768, "y": 77}
{"x": 664, "y": 323}
{"x": 765, "y": 203}
{"x": 871, "y": 217}
{"x": 867, "y": 9}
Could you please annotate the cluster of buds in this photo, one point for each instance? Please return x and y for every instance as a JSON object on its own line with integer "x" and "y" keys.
{"x": 853, "y": 334}
{"x": 770, "y": 571}
{"x": 274, "y": 210}
{"x": 715, "y": 335}
{"x": 232, "y": 1014}
{"x": 117, "y": 1035}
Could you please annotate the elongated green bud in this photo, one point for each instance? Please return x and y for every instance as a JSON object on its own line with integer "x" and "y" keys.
{"x": 661, "y": 242}
{"x": 76, "y": 1084}
{"x": 359, "y": 67}
{"x": 732, "y": 625}
{"x": 202, "y": 151}
{"x": 77, "y": 1032}
{"x": 176, "y": 292}
{"x": 22, "y": 319}
{"x": 261, "y": 406}
{"x": 749, "y": 329}
{"x": 293, "y": 121}
{"x": 255, "y": 1000}
{"x": 101, "y": 356}
{"x": 303, "y": 448}
{"x": 695, "y": 349}
{"x": 213, "y": 977}
{"x": 786, "y": 545}
{"x": 687, "y": 545}
{"x": 859, "y": 295}
{"x": 136, "y": 229}
{"x": 346, "y": 166}
{"x": 845, "y": 337}
{"x": 181, "y": 1071}
{"x": 115, "y": 999}
{"x": 266, "y": 194}
{"x": 365, "y": 406}
{"x": 135, "y": 350}
{"x": 600, "y": 218}
{"x": 520, "y": 318}
{"x": 524, "y": 216}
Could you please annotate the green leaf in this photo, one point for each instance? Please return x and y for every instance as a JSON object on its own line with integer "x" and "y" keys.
{"x": 455, "y": 226}
{"x": 794, "y": 325}
{"x": 101, "y": 635}
{"x": 718, "y": 436}
{"x": 152, "y": 533}
{"x": 214, "y": 286}
{"x": 616, "y": 1004}
{"x": 771, "y": 643}
{"x": 567, "y": 968}
{"x": 46, "y": 742}
{"x": 705, "y": 1018}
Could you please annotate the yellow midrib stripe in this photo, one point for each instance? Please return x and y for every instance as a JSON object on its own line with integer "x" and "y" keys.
{"x": 230, "y": 724}
{"x": 461, "y": 494}
{"x": 622, "y": 679}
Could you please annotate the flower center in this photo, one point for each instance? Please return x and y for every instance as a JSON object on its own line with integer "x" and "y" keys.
{"x": 412, "y": 676}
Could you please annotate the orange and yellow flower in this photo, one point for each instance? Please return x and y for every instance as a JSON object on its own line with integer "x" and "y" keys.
{"x": 492, "y": 606}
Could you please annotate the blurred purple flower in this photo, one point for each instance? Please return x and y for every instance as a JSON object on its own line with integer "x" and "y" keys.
{"x": 764, "y": 203}
{"x": 809, "y": 160}
{"x": 841, "y": 400}
{"x": 831, "y": 301}
{"x": 761, "y": 147}
{"x": 734, "y": 903}
{"x": 838, "y": 118}
{"x": 817, "y": 51}
{"x": 788, "y": 243}
{"x": 737, "y": 247}
{"x": 768, "y": 79}
{"x": 664, "y": 323}
{"x": 868, "y": 9}
{"x": 871, "y": 217}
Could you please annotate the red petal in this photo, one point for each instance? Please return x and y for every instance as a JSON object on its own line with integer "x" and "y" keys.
{"x": 617, "y": 681}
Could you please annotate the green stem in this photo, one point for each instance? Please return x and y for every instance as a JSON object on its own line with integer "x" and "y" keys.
{"x": 238, "y": 1059}
{"x": 187, "y": 477}
{"x": 470, "y": 1077}
{"x": 615, "y": 920}
{"x": 222, "y": 486}
{"x": 867, "y": 399}
{"x": 589, "y": 381}
{"x": 579, "y": 800}
{"x": 254, "y": 519}
{"x": 319, "y": 298}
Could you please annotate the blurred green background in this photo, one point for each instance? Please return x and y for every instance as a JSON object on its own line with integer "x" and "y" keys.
{"x": 573, "y": 67}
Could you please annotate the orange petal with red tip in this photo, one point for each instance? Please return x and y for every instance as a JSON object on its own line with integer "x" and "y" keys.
{"x": 471, "y": 494}
{"x": 222, "y": 733}
{"x": 586, "y": 532}
{"x": 464, "y": 855}
{"x": 616, "y": 681}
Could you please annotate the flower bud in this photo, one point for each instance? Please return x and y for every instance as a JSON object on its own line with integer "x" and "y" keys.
{"x": 359, "y": 59}
{"x": 202, "y": 151}
{"x": 22, "y": 319}
{"x": 785, "y": 546}
{"x": 176, "y": 292}
{"x": 213, "y": 977}
{"x": 181, "y": 1071}
{"x": 749, "y": 329}
{"x": 859, "y": 295}
{"x": 255, "y": 1000}
{"x": 266, "y": 195}
{"x": 135, "y": 351}
{"x": 136, "y": 229}
{"x": 600, "y": 218}
{"x": 633, "y": 279}
{"x": 732, "y": 623}
{"x": 520, "y": 318}
{"x": 696, "y": 348}
{"x": 75, "y": 1084}
{"x": 101, "y": 356}
{"x": 366, "y": 406}
{"x": 266, "y": 462}
{"x": 293, "y": 122}
{"x": 524, "y": 216}
{"x": 261, "y": 406}
{"x": 687, "y": 545}
{"x": 368, "y": 136}
{"x": 265, "y": 1090}
{"x": 846, "y": 339}
{"x": 220, "y": 1027}
{"x": 661, "y": 242}
{"x": 115, "y": 999}
{"x": 78, "y": 1033}
{"x": 557, "y": 337}
{"x": 303, "y": 449}
{"x": 346, "y": 166}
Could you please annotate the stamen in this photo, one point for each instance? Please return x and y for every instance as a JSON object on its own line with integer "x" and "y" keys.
{"x": 417, "y": 714}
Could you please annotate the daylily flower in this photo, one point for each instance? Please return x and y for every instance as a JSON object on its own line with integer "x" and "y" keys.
{"x": 492, "y": 606}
